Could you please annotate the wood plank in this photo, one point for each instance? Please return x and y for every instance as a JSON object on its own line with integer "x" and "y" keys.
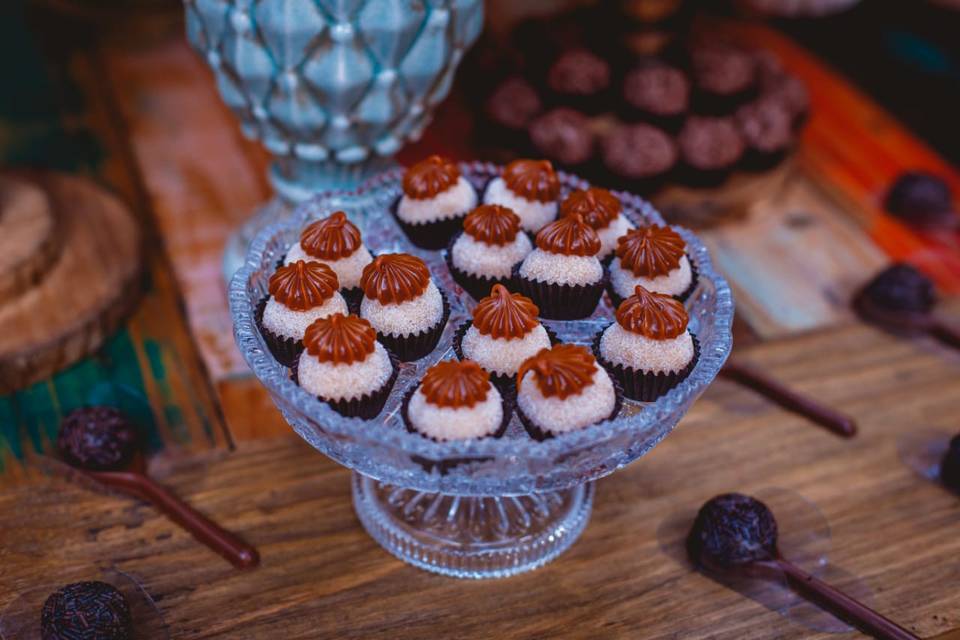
{"x": 322, "y": 576}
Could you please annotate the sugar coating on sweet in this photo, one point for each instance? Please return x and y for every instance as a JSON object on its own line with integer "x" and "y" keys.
{"x": 593, "y": 404}
{"x": 488, "y": 260}
{"x": 503, "y": 356}
{"x": 348, "y": 269}
{"x": 553, "y": 268}
{"x": 641, "y": 353}
{"x": 460, "y": 423}
{"x": 533, "y": 214}
{"x": 609, "y": 234}
{"x": 287, "y": 323}
{"x": 455, "y": 201}
{"x": 407, "y": 318}
{"x": 673, "y": 283}
{"x": 335, "y": 382}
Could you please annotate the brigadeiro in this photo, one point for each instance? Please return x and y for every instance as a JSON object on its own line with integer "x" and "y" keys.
{"x": 563, "y": 389}
{"x": 767, "y": 132}
{"x": 403, "y": 304}
{"x": 732, "y": 530}
{"x": 790, "y": 91}
{"x": 897, "y": 297}
{"x": 435, "y": 200}
{"x": 603, "y": 212}
{"x": 655, "y": 258}
{"x": 922, "y": 200}
{"x": 97, "y": 438}
{"x": 344, "y": 365}
{"x": 86, "y": 610}
{"x": 649, "y": 349}
{"x": 657, "y": 94}
{"x": 487, "y": 250}
{"x": 511, "y": 107}
{"x": 580, "y": 79}
{"x": 724, "y": 77}
{"x": 504, "y": 332}
{"x": 640, "y": 155}
{"x": 336, "y": 242}
{"x": 562, "y": 275}
{"x": 563, "y": 135}
{"x": 529, "y": 188}
{"x": 299, "y": 293}
{"x": 710, "y": 149}
{"x": 456, "y": 401}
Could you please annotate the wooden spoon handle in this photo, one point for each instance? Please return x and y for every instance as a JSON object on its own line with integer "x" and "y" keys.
{"x": 842, "y": 605}
{"x": 837, "y": 422}
{"x": 945, "y": 333}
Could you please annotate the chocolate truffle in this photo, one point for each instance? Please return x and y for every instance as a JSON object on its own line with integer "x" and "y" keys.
{"x": 97, "y": 439}
{"x": 922, "y": 199}
{"x": 732, "y": 530}
{"x": 435, "y": 200}
{"x": 563, "y": 135}
{"x": 602, "y": 211}
{"x": 336, "y": 242}
{"x": 403, "y": 304}
{"x": 649, "y": 349}
{"x": 641, "y": 155}
{"x": 710, "y": 149}
{"x": 562, "y": 275}
{"x": 300, "y": 293}
{"x": 725, "y": 77}
{"x": 344, "y": 365}
{"x": 488, "y": 249}
{"x": 529, "y": 188}
{"x": 767, "y": 132}
{"x": 581, "y": 79}
{"x": 901, "y": 288}
{"x": 950, "y": 465}
{"x": 790, "y": 92}
{"x": 562, "y": 389}
{"x": 504, "y": 332}
{"x": 86, "y": 611}
{"x": 657, "y": 94}
{"x": 455, "y": 401}
{"x": 513, "y": 104}
{"x": 655, "y": 258}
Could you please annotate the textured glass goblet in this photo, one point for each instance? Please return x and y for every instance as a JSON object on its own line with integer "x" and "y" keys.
{"x": 480, "y": 508}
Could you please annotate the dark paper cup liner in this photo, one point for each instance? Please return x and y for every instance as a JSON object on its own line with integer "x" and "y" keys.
{"x": 700, "y": 178}
{"x": 758, "y": 161}
{"x": 616, "y": 299}
{"x": 369, "y": 405}
{"x": 539, "y": 434}
{"x": 443, "y": 466}
{"x": 417, "y": 345}
{"x": 477, "y": 286}
{"x": 432, "y": 236}
{"x": 353, "y": 297}
{"x": 560, "y": 301}
{"x": 285, "y": 350}
{"x": 502, "y": 381}
{"x": 644, "y": 386}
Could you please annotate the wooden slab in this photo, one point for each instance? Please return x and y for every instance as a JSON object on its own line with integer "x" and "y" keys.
{"x": 322, "y": 576}
{"x": 29, "y": 243}
{"x": 86, "y": 293}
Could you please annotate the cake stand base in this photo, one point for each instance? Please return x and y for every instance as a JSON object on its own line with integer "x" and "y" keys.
{"x": 472, "y": 536}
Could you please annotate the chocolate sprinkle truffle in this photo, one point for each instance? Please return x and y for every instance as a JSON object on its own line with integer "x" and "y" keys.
{"x": 767, "y": 132}
{"x": 97, "y": 439}
{"x": 513, "y": 104}
{"x": 86, "y": 611}
{"x": 579, "y": 78}
{"x": 710, "y": 149}
{"x": 657, "y": 94}
{"x": 563, "y": 135}
{"x": 922, "y": 199}
{"x": 901, "y": 288}
{"x": 732, "y": 530}
{"x": 725, "y": 77}
{"x": 642, "y": 155}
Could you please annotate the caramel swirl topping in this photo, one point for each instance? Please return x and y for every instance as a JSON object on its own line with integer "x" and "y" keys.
{"x": 455, "y": 384}
{"x": 340, "y": 339}
{"x": 504, "y": 316}
{"x": 430, "y": 177}
{"x": 598, "y": 206}
{"x": 569, "y": 236}
{"x": 303, "y": 285}
{"x": 561, "y": 371}
{"x": 331, "y": 238}
{"x": 651, "y": 251}
{"x": 653, "y": 315}
{"x": 393, "y": 278}
{"x": 532, "y": 180}
{"x": 492, "y": 224}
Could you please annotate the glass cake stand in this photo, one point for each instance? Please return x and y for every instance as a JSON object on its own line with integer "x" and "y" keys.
{"x": 484, "y": 508}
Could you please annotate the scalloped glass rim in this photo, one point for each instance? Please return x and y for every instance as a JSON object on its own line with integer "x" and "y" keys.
{"x": 380, "y": 191}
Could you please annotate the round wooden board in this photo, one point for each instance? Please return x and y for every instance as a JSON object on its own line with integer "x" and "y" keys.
{"x": 84, "y": 295}
{"x": 29, "y": 242}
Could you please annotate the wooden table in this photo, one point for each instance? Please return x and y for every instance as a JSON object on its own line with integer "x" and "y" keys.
{"x": 154, "y": 111}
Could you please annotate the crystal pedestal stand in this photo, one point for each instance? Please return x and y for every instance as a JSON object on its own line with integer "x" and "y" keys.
{"x": 472, "y": 536}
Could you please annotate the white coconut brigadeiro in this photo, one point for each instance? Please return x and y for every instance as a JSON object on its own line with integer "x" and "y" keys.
{"x": 602, "y": 211}
{"x": 455, "y": 401}
{"x": 655, "y": 258}
{"x": 435, "y": 200}
{"x": 530, "y": 188}
{"x": 336, "y": 242}
{"x": 488, "y": 249}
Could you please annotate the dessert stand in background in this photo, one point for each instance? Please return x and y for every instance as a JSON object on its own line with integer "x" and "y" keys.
{"x": 484, "y": 508}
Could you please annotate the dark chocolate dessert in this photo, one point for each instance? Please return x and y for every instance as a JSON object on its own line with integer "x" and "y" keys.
{"x": 899, "y": 290}
{"x": 732, "y": 530}
{"x": 657, "y": 94}
{"x": 512, "y": 105}
{"x": 580, "y": 79}
{"x": 725, "y": 77}
{"x": 640, "y": 154}
{"x": 767, "y": 130}
{"x": 563, "y": 135}
{"x": 86, "y": 611}
{"x": 950, "y": 465}
{"x": 789, "y": 91}
{"x": 97, "y": 439}
{"x": 921, "y": 199}
{"x": 710, "y": 149}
